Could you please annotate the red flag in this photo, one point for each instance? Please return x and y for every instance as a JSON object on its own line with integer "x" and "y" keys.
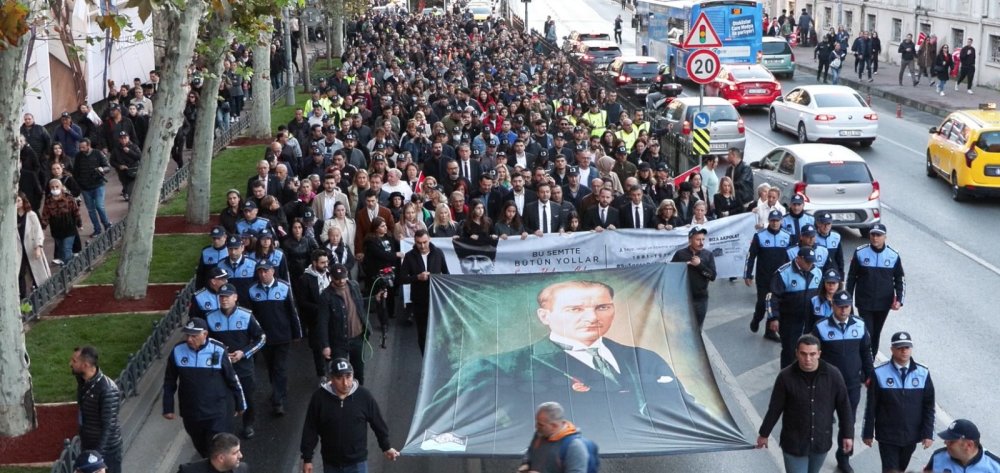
{"x": 920, "y": 39}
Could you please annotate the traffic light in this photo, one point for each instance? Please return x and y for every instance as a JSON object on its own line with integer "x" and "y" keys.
{"x": 702, "y": 34}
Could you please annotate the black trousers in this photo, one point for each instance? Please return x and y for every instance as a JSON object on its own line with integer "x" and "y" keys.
{"x": 201, "y": 432}
{"x": 790, "y": 332}
{"x": 823, "y": 72}
{"x": 249, "y": 384}
{"x": 276, "y": 357}
{"x": 758, "y": 309}
{"x": 966, "y": 73}
{"x": 700, "y": 306}
{"x": 895, "y": 458}
{"x": 420, "y": 315}
{"x": 854, "y": 395}
{"x": 353, "y": 353}
{"x": 875, "y": 319}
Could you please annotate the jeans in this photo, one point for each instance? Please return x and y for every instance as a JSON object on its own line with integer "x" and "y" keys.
{"x": 835, "y": 72}
{"x": 94, "y": 200}
{"x": 64, "y": 248}
{"x": 222, "y": 118}
{"x": 940, "y": 85}
{"x": 355, "y": 468}
{"x": 808, "y": 464}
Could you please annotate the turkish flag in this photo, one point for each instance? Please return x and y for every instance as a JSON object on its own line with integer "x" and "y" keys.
{"x": 920, "y": 39}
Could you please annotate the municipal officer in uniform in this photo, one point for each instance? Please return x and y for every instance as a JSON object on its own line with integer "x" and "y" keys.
{"x": 829, "y": 239}
{"x": 251, "y": 223}
{"x": 823, "y": 304}
{"x": 207, "y": 298}
{"x": 899, "y": 412}
{"x": 272, "y": 304}
{"x": 237, "y": 329}
{"x": 210, "y": 256}
{"x": 789, "y": 305}
{"x": 597, "y": 118}
{"x": 962, "y": 451}
{"x": 199, "y": 371}
{"x": 796, "y": 218}
{"x": 807, "y": 239}
{"x": 876, "y": 280}
{"x": 239, "y": 266}
{"x": 767, "y": 254}
{"x": 845, "y": 344}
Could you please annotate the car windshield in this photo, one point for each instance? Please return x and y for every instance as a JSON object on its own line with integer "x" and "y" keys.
{"x": 480, "y": 10}
{"x": 989, "y": 141}
{"x": 751, "y": 73}
{"x": 776, "y": 48}
{"x": 604, "y": 52}
{"x": 716, "y": 113}
{"x": 590, "y": 36}
{"x": 641, "y": 69}
{"x": 837, "y": 172}
{"x": 839, "y": 100}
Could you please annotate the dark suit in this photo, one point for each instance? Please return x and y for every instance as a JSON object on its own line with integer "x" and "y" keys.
{"x": 592, "y": 218}
{"x": 494, "y": 198}
{"x": 531, "y": 217}
{"x": 307, "y": 296}
{"x": 273, "y": 186}
{"x": 413, "y": 264}
{"x": 475, "y": 170}
{"x": 627, "y": 216}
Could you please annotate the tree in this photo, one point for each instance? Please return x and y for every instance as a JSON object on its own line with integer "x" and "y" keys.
{"x": 303, "y": 39}
{"x": 137, "y": 251}
{"x": 17, "y": 408}
{"x": 260, "y": 126}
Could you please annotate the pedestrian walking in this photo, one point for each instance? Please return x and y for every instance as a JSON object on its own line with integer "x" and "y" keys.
{"x": 876, "y": 51}
{"x": 845, "y": 344}
{"x": 927, "y": 53}
{"x": 342, "y": 322}
{"x": 224, "y": 456}
{"x": 742, "y": 175}
{"x": 125, "y": 157}
{"x": 98, "y": 402}
{"x": 273, "y": 306}
{"x": 90, "y": 461}
{"x": 837, "y": 58}
{"x": 701, "y": 265}
{"x": 876, "y": 281}
{"x": 822, "y": 54}
{"x": 908, "y": 54}
{"x": 618, "y": 28}
{"x": 418, "y": 265}
{"x": 210, "y": 256}
{"x": 796, "y": 219}
{"x": 899, "y": 412}
{"x": 806, "y": 396}
{"x": 962, "y": 451}
{"x": 829, "y": 239}
{"x": 967, "y": 65}
{"x": 557, "y": 446}
{"x": 805, "y": 28}
{"x": 862, "y": 49}
{"x": 767, "y": 254}
{"x": 337, "y": 418}
{"x": 200, "y": 373}
{"x": 89, "y": 169}
{"x": 789, "y": 305}
{"x": 941, "y": 68}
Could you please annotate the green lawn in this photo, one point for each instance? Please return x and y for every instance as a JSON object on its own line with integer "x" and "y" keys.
{"x": 174, "y": 260}
{"x": 230, "y": 169}
{"x": 51, "y": 342}
{"x": 281, "y": 114}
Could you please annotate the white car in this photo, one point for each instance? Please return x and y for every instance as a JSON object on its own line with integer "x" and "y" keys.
{"x": 833, "y": 113}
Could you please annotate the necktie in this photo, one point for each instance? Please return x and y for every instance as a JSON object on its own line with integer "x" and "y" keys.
{"x": 638, "y": 218}
{"x": 843, "y": 327}
{"x": 465, "y": 169}
{"x": 602, "y": 366}
{"x": 545, "y": 219}
{"x": 604, "y": 217}
{"x": 902, "y": 373}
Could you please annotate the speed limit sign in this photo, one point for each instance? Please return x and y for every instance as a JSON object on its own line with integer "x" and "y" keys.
{"x": 703, "y": 66}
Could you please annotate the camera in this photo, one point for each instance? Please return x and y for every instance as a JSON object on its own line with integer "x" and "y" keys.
{"x": 388, "y": 277}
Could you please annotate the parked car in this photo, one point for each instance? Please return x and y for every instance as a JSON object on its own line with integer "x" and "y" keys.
{"x": 597, "y": 53}
{"x": 635, "y": 75}
{"x": 725, "y": 126}
{"x": 830, "y": 177}
{"x": 480, "y": 11}
{"x": 833, "y": 113}
{"x": 745, "y": 85}
{"x": 965, "y": 151}
{"x": 777, "y": 56}
{"x": 574, "y": 39}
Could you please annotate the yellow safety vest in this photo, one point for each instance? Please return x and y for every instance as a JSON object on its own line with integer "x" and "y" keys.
{"x": 628, "y": 138}
{"x": 598, "y": 122}
{"x": 643, "y": 127}
{"x": 350, "y": 79}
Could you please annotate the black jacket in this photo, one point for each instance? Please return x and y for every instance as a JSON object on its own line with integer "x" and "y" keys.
{"x": 307, "y": 295}
{"x": 85, "y": 169}
{"x": 742, "y": 177}
{"x": 99, "y": 402}
{"x": 413, "y": 264}
{"x": 340, "y": 423}
{"x": 331, "y": 318}
{"x": 808, "y": 410}
{"x": 698, "y": 276}
{"x": 205, "y": 466}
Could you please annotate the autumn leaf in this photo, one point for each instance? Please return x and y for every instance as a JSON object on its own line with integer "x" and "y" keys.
{"x": 13, "y": 23}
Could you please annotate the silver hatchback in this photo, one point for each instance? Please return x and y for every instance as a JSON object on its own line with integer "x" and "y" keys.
{"x": 832, "y": 178}
{"x": 726, "y": 129}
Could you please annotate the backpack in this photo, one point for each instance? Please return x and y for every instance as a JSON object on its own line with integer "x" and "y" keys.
{"x": 593, "y": 461}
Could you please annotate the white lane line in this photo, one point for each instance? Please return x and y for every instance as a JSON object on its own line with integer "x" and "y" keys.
{"x": 761, "y": 136}
{"x": 973, "y": 257}
{"x": 901, "y": 145}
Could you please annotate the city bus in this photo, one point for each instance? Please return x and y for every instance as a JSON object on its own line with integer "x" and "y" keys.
{"x": 662, "y": 26}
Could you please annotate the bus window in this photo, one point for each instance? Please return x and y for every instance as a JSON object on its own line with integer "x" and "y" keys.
{"x": 675, "y": 30}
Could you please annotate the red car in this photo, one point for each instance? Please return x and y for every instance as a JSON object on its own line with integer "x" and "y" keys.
{"x": 745, "y": 85}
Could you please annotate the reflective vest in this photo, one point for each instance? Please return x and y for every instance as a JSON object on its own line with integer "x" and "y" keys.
{"x": 598, "y": 122}
{"x": 628, "y": 138}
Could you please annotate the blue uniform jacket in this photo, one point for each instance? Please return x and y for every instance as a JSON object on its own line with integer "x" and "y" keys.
{"x": 791, "y": 294}
{"x": 241, "y": 274}
{"x": 767, "y": 254}
{"x": 202, "y": 379}
{"x": 832, "y": 243}
{"x": 258, "y": 224}
{"x": 876, "y": 278}
{"x": 210, "y": 257}
{"x": 203, "y": 302}
{"x": 850, "y": 350}
{"x": 237, "y": 331}
{"x": 792, "y": 223}
{"x": 984, "y": 462}
{"x": 822, "y": 256}
{"x": 274, "y": 308}
{"x": 900, "y": 411}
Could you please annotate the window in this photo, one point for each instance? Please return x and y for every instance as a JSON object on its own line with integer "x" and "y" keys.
{"x": 836, "y": 172}
{"x": 787, "y": 165}
{"x": 897, "y": 30}
{"x": 870, "y": 23}
{"x": 957, "y": 38}
{"x": 849, "y": 22}
{"x": 827, "y": 17}
{"x": 925, "y": 28}
{"x": 994, "y": 53}
{"x": 770, "y": 162}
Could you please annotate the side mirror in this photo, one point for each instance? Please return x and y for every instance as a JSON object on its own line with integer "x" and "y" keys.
{"x": 779, "y": 99}
{"x": 565, "y": 37}
{"x": 933, "y": 130}
{"x": 755, "y": 165}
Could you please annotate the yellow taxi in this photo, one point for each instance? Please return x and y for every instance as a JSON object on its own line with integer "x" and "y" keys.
{"x": 965, "y": 151}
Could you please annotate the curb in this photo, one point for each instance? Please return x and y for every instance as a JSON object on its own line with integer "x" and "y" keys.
{"x": 134, "y": 414}
{"x": 882, "y": 93}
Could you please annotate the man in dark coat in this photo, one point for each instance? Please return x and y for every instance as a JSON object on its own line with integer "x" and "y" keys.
{"x": 99, "y": 401}
{"x": 701, "y": 269}
{"x": 741, "y": 174}
{"x": 418, "y": 265}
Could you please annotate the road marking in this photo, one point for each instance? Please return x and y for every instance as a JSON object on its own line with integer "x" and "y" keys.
{"x": 901, "y": 145}
{"x": 973, "y": 257}
{"x": 761, "y": 136}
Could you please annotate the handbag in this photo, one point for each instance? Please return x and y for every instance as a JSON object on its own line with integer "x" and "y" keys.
{"x": 835, "y": 63}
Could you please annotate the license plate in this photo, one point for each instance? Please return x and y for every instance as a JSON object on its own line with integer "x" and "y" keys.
{"x": 757, "y": 91}
{"x": 642, "y": 90}
{"x": 843, "y": 217}
{"x": 850, "y": 132}
{"x": 772, "y": 61}
{"x": 718, "y": 146}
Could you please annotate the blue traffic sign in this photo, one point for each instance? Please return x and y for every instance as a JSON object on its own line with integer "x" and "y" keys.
{"x": 701, "y": 120}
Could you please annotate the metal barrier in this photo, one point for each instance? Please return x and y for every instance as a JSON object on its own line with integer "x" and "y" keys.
{"x": 71, "y": 448}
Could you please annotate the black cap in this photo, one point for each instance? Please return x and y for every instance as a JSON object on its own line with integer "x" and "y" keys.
{"x": 338, "y": 272}
{"x": 808, "y": 230}
{"x": 351, "y": 136}
{"x": 573, "y": 171}
{"x": 901, "y": 340}
{"x": 219, "y": 273}
{"x": 543, "y": 154}
{"x": 878, "y": 229}
{"x": 831, "y": 275}
{"x": 476, "y": 152}
{"x": 960, "y": 429}
{"x": 662, "y": 167}
{"x": 824, "y": 217}
{"x": 593, "y": 102}
{"x": 842, "y": 299}
{"x": 339, "y": 366}
{"x": 264, "y": 264}
{"x": 621, "y": 149}
{"x": 644, "y": 166}
{"x": 379, "y": 146}
{"x": 797, "y": 199}
{"x": 696, "y": 230}
{"x": 807, "y": 254}
{"x": 234, "y": 242}
{"x": 227, "y": 290}
{"x": 581, "y": 147}
{"x": 89, "y": 461}
{"x": 195, "y": 326}
{"x": 218, "y": 232}
{"x": 774, "y": 215}
{"x": 249, "y": 205}
{"x": 316, "y": 150}
{"x": 122, "y": 133}
{"x": 64, "y": 115}
{"x": 265, "y": 233}
{"x": 378, "y": 157}
{"x": 308, "y": 214}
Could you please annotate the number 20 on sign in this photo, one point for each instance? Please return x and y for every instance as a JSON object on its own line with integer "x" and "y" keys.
{"x": 703, "y": 66}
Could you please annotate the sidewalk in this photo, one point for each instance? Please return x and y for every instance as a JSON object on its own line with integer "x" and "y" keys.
{"x": 923, "y": 97}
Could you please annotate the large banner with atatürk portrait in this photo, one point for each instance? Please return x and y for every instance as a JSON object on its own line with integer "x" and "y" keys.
{"x": 618, "y": 348}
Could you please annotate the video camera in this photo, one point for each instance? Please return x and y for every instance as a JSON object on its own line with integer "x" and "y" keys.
{"x": 388, "y": 277}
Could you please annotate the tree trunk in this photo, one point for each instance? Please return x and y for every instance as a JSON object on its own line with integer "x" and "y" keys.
{"x": 161, "y": 35}
{"x": 260, "y": 124}
{"x": 200, "y": 182}
{"x": 338, "y": 28}
{"x": 137, "y": 252}
{"x": 17, "y": 409}
{"x": 328, "y": 34}
{"x": 303, "y": 41}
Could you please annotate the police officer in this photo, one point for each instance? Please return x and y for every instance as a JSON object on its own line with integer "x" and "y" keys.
{"x": 597, "y": 118}
{"x": 239, "y": 266}
{"x": 899, "y": 412}
{"x": 251, "y": 223}
{"x": 272, "y": 304}
{"x": 807, "y": 239}
{"x": 237, "y": 329}
{"x": 829, "y": 239}
{"x": 341, "y": 322}
{"x": 845, "y": 344}
{"x": 823, "y": 303}
{"x": 962, "y": 451}
{"x": 207, "y": 298}
{"x": 796, "y": 218}
{"x": 789, "y": 305}
{"x": 767, "y": 254}
{"x": 210, "y": 256}
{"x": 199, "y": 371}
{"x": 876, "y": 279}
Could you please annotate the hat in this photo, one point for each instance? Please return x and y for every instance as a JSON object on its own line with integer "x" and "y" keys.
{"x": 593, "y": 102}
{"x": 577, "y": 129}
{"x": 338, "y": 272}
{"x": 308, "y": 214}
{"x": 218, "y": 273}
{"x": 573, "y": 171}
{"x": 339, "y": 366}
{"x": 195, "y": 326}
{"x": 644, "y": 166}
{"x": 686, "y": 186}
{"x": 476, "y": 152}
{"x": 797, "y": 199}
{"x": 774, "y": 215}
{"x": 824, "y": 217}
{"x": 234, "y": 242}
{"x": 808, "y": 230}
{"x": 696, "y": 230}
{"x": 218, "y": 232}
{"x": 122, "y": 133}
{"x": 378, "y": 157}
{"x": 265, "y": 233}
{"x": 351, "y": 136}
{"x": 89, "y": 461}
{"x": 264, "y": 264}
{"x": 831, "y": 275}
{"x": 807, "y": 254}
{"x": 901, "y": 340}
{"x": 249, "y": 205}
{"x": 878, "y": 229}
{"x": 316, "y": 150}
{"x": 842, "y": 298}
{"x": 661, "y": 167}
{"x": 380, "y": 146}
{"x": 581, "y": 147}
{"x": 523, "y": 129}
{"x": 960, "y": 429}
{"x": 543, "y": 154}
{"x": 64, "y": 115}
{"x": 621, "y": 149}
{"x": 227, "y": 290}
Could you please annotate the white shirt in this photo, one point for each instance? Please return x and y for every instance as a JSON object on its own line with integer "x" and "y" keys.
{"x": 519, "y": 202}
{"x": 579, "y": 351}
{"x": 328, "y": 203}
{"x": 401, "y": 187}
{"x": 424, "y": 258}
{"x": 521, "y": 160}
{"x": 544, "y": 213}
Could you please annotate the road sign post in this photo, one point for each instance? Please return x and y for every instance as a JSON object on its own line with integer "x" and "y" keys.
{"x": 702, "y": 67}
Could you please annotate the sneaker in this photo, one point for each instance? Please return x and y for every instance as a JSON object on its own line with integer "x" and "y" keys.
{"x": 956, "y": 87}
{"x": 969, "y": 91}
{"x": 942, "y": 93}
{"x": 58, "y": 262}
{"x": 871, "y": 80}
{"x": 249, "y": 432}
{"x": 876, "y": 73}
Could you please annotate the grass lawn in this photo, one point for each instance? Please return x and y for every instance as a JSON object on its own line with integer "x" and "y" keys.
{"x": 230, "y": 170}
{"x": 51, "y": 342}
{"x": 174, "y": 260}
{"x": 18, "y": 469}
{"x": 320, "y": 68}
{"x": 281, "y": 114}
